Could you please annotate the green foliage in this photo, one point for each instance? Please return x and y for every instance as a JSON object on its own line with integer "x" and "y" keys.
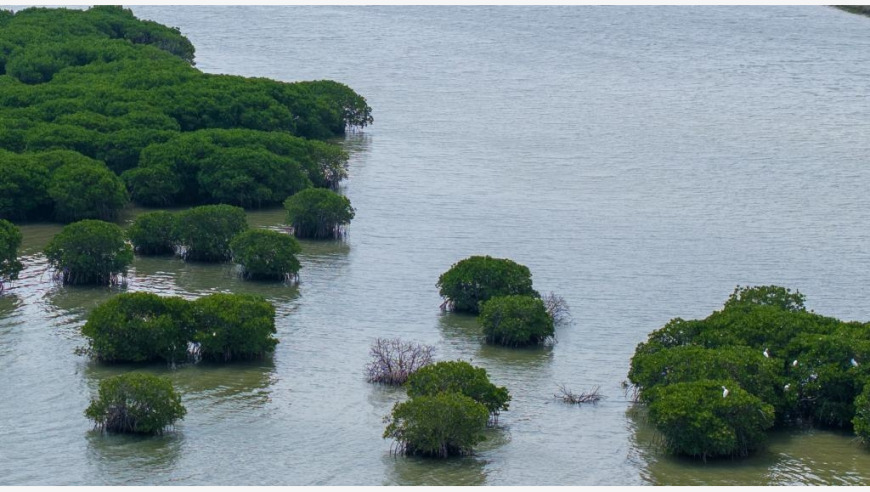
{"x": 139, "y": 327}
{"x": 89, "y": 252}
{"x": 862, "y": 414}
{"x": 808, "y": 367}
{"x": 515, "y": 320}
{"x": 136, "y": 403}
{"x": 697, "y": 420}
{"x": 478, "y": 278}
{"x": 318, "y": 213}
{"x": 23, "y": 187}
{"x": 460, "y": 377}
{"x": 205, "y": 232}
{"x": 766, "y": 295}
{"x": 101, "y": 83}
{"x": 234, "y": 327}
{"x": 10, "y": 240}
{"x": 266, "y": 255}
{"x": 152, "y": 233}
{"x": 84, "y": 191}
{"x": 440, "y": 425}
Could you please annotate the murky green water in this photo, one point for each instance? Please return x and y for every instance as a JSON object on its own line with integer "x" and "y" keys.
{"x": 641, "y": 161}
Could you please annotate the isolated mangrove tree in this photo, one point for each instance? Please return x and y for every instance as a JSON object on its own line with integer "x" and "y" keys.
{"x": 89, "y": 252}
{"x": 266, "y": 255}
{"x": 515, "y": 321}
{"x": 204, "y": 233}
{"x": 153, "y": 233}
{"x": 318, "y": 213}
{"x": 478, "y": 278}
{"x": 136, "y": 403}
{"x": 10, "y": 240}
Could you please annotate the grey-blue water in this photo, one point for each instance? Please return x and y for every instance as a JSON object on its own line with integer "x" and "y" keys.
{"x": 642, "y": 161}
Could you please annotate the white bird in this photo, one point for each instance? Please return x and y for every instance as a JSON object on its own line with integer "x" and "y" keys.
{"x": 725, "y": 392}
{"x": 766, "y": 353}
{"x": 794, "y": 364}
{"x": 854, "y": 362}
{"x": 786, "y": 387}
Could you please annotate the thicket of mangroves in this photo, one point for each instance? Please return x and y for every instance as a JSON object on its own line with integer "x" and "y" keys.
{"x": 98, "y": 107}
{"x": 714, "y": 386}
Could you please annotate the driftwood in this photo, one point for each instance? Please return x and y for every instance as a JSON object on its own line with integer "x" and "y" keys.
{"x": 568, "y": 396}
{"x": 394, "y": 360}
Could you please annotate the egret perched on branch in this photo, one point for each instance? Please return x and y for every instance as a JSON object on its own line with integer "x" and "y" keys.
{"x": 725, "y": 392}
{"x": 766, "y": 353}
{"x": 854, "y": 362}
{"x": 786, "y": 387}
{"x": 794, "y": 364}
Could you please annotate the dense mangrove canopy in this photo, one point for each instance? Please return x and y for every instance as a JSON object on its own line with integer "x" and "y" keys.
{"x": 88, "y": 96}
{"x": 715, "y": 385}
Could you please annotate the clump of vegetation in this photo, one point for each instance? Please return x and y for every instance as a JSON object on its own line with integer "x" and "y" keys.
{"x": 459, "y": 377}
{"x": 862, "y": 415}
{"x": 140, "y": 327}
{"x": 568, "y": 396}
{"x": 10, "y": 240}
{"x": 266, "y": 255}
{"x": 318, "y": 213}
{"x": 394, "y": 360}
{"x": 204, "y": 233}
{"x": 86, "y": 191}
{"x": 122, "y": 93}
{"x": 441, "y": 425}
{"x": 136, "y": 403}
{"x": 805, "y": 367}
{"x": 90, "y": 252}
{"x": 234, "y": 327}
{"x": 515, "y": 320}
{"x": 474, "y": 280}
{"x": 152, "y": 233}
{"x": 709, "y": 418}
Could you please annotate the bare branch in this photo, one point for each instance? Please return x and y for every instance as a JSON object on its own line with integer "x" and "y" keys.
{"x": 394, "y": 360}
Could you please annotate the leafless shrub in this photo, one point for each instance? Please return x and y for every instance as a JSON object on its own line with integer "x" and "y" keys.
{"x": 632, "y": 391}
{"x": 557, "y": 308}
{"x": 394, "y": 360}
{"x": 568, "y": 396}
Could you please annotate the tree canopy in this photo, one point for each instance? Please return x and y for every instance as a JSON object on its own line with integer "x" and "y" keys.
{"x": 318, "y": 214}
{"x": 478, "y": 278}
{"x": 136, "y": 403}
{"x": 765, "y": 348}
{"x": 266, "y": 255}
{"x": 89, "y": 252}
{"x": 10, "y": 240}
{"x": 105, "y": 86}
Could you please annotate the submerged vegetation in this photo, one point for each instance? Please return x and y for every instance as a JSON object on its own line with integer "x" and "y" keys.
{"x": 89, "y": 252}
{"x": 762, "y": 361}
{"x": 136, "y": 403}
{"x": 142, "y": 327}
{"x": 89, "y": 96}
{"x": 10, "y": 240}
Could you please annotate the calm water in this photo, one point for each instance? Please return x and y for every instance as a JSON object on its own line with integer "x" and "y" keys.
{"x": 641, "y": 161}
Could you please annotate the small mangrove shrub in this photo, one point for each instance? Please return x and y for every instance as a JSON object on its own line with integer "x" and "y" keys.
{"x": 89, "y": 252}
{"x": 459, "y": 377}
{"x": 234, "y": 327}
{"x": 266, "y": 255}
{"x": 204, "y": 233}
{"x": 441, "y": 425}
{"x": 710, "y": 418}
{"x": 153, "y": 233}
{"x": 478, "y": 278}
{"x": 394, "y": 360}
{"x": 136, "y": 403}
{"x": 140, "y": 327}
{"x": 10, "y": 240}
{"x": 318, "y": 213}
{"x": 515, "y": 321}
